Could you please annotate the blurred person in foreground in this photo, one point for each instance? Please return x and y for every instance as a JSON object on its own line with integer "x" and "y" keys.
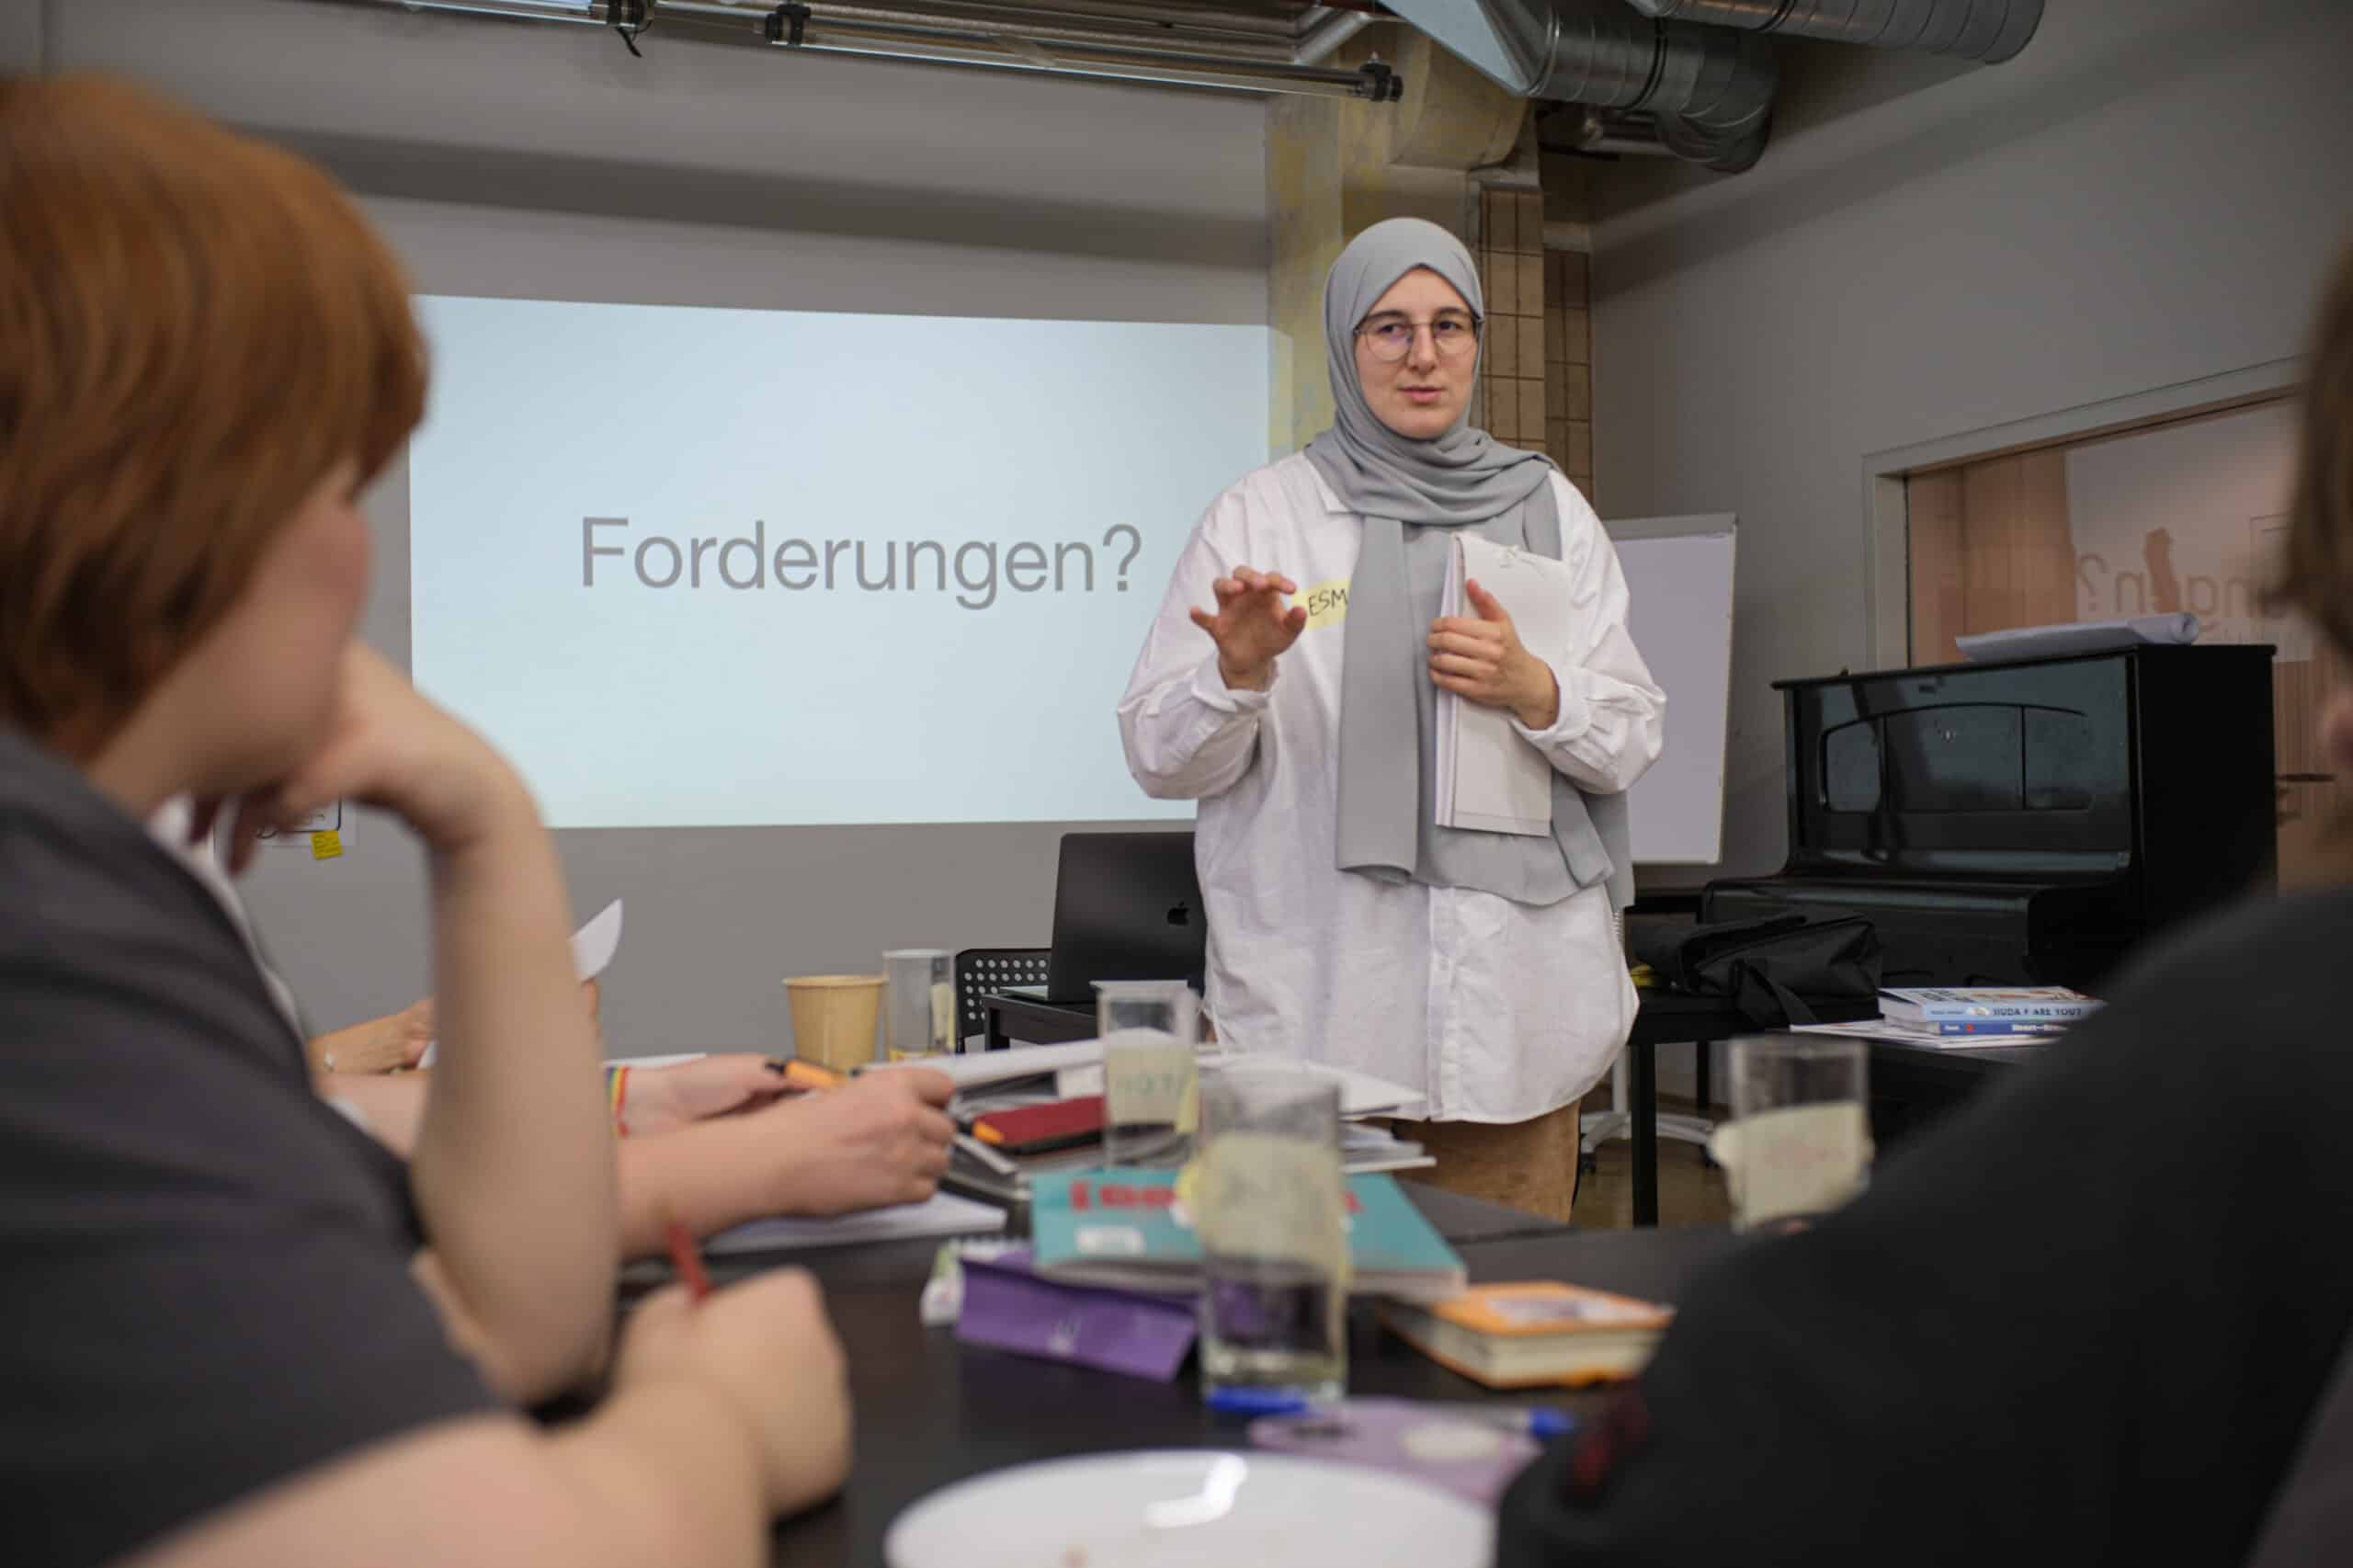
{"x": 237, "y": 1330}
{"x": 2086, "y": 1321}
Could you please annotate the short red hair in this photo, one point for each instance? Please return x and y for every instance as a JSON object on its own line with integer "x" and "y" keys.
{"x": 195, "y": 328}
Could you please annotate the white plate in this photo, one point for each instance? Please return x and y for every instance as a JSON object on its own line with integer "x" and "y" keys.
{"x": 1180, "y": 1509}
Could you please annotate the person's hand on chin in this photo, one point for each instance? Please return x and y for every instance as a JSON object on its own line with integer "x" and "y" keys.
{"x": 386, "y": 746}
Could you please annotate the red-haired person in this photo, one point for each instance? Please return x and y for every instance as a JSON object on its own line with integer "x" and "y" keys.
{"x": 234, "y": 1329}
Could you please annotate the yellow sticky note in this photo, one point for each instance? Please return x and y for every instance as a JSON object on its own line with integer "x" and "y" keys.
{"x": 326, "y": 845}
{"x": 1327, "y": 603}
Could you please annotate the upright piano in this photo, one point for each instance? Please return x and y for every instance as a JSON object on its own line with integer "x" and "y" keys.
{"x": 2028, "y": 822}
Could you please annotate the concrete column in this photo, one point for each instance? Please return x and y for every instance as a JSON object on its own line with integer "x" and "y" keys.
{"x": 21, "y": 51}
{"x": 1337, "y": 166}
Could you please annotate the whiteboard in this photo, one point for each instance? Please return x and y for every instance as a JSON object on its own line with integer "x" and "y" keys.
{"x": 1678, "y": 583}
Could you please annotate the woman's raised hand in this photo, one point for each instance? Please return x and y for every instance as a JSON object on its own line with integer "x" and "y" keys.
{"x": 1252, "y": 626}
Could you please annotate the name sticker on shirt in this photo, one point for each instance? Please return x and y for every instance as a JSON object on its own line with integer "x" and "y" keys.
{"x": 1327, "y": 603}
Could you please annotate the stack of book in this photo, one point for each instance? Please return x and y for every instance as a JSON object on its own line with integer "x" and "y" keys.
{"x": 991, "y": 1083}
{"x": 1960, "y": 1017}
{"x": 1539, "y": 1332}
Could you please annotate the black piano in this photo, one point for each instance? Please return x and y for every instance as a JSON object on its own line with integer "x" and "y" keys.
{"x": 2025, "y": 823}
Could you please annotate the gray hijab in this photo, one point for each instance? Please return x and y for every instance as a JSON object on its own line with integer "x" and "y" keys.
{"x": 1411, "y": 494}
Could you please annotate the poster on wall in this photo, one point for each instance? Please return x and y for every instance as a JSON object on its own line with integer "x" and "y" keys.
{"x": 2189, "y": 516}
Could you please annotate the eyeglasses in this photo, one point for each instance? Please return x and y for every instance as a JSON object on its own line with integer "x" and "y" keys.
{"x": 1392, "y": 337}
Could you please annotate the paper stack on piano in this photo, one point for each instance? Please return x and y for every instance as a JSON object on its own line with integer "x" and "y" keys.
{"x": 1488, "y": 776}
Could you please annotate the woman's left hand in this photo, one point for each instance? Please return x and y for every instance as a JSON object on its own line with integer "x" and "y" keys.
{"x": 1482, "y": 661}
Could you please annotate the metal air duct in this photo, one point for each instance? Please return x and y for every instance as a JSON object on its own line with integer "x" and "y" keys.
{"x": 1709, "y": 90}
{"x": 1989, "y": 31}
{"x": 1178, "y": 45}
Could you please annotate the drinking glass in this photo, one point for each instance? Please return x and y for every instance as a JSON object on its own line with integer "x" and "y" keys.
{"x": 1799, "y": 1139}
{"x": 1269, "y": 1207}
{"x": 1150, "y": 1103}
{"x": 919, "y": 1007}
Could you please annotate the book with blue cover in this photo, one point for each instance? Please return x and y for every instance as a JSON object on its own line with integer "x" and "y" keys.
{"x": 1986, "y": 1009}
{"x": 1130, "y": 1229}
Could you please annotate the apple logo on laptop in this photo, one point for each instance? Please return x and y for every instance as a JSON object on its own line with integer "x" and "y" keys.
{"x": 1179, "y": 914}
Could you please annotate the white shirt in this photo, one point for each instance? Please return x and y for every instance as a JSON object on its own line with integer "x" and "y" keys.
{"x": 1498, "y": 1011}
{"x": 169, "y": 827}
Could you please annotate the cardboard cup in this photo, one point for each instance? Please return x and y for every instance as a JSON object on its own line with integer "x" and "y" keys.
{"x": 834, "y": 1017}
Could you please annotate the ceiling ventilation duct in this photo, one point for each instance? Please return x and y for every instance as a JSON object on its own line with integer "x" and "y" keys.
{"x": 1249, "y": 46}
{"x": 1989, "y": 31}
{"x": 1708, "y": 91}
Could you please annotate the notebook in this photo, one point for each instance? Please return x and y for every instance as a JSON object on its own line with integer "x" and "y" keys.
{"x": 1128, "y": 1229}
{"x": 1488, "y": 778}
{"x": 1536, "y": 1334}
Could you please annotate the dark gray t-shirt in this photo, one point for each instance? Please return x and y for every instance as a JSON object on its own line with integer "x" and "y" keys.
{"x": 204, "y": 1281}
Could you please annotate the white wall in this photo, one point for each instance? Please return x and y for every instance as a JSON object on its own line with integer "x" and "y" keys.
{"x": 541, "y": 161}
{"x": 20, "y": 35}
{"x": 2149, "y": 195}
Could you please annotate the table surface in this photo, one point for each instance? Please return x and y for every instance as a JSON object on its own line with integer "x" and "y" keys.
{"x": 931, "y": 1412}
{"x": 1975, "y": 1059}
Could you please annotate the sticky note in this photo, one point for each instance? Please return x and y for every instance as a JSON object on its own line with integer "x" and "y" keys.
{"x": 326, "y": 845}
{"x": 1327, "y": 603}
{"x": 1149, "y": 1079}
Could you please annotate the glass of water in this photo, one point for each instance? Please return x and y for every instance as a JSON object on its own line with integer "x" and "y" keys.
{"x": 1149, "y": 1099}
{"x": 1269, "y": 1207}
{"x": 1799, "y": 1138}
{"x": 919, "y": 1010}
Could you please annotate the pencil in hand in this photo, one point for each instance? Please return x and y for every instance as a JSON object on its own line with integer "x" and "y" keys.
{"x": 686, "y": 1259}
{"x": 804, "y": 1075}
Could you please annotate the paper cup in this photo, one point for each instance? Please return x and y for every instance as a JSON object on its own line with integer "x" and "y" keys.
{"x": 834, "y": 1017}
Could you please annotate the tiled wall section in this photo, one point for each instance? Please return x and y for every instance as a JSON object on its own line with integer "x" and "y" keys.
{"x": 1538, "y": 386}
{"x": 1511, "y": 270}
{"x": 1568, "y": 367}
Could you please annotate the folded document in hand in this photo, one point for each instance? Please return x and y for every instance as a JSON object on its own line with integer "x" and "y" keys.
{"x": 1489, "y": 777}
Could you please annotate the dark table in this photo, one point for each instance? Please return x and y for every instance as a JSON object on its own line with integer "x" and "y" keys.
{"x": 1913, "y": 1085}
{"x": 1910, "y": 1085}
{"x": 931, "y": 1412}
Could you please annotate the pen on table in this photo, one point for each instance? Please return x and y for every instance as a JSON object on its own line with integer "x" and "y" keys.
{"x": 986, "y": 1155}
{"x": 799, "y": 1074}
{"x": 687, "y": 1260}
{"x": 1537, "y": 1421}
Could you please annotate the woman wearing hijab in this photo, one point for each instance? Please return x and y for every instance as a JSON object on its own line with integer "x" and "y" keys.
{"x": 1345, "y": 926}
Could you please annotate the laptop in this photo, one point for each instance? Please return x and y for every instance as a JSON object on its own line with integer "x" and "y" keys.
{"x": 1127, "y": 906}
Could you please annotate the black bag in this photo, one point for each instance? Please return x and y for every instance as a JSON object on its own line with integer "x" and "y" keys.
{"x": 1768, "y": 967}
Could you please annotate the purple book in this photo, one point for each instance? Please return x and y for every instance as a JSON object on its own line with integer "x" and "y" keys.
{"x": 1008, "y": 1307}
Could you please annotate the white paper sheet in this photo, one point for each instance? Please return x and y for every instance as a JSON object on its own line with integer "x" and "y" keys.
{"x": 1361, "y": 1094}
{"x": 1882, "y": 1028}
{"x": 945, "y": 1214}
{"x": 2077, "y": 636}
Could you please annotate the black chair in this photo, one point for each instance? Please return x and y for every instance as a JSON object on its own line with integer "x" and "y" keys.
{"x": 981, "y": 970}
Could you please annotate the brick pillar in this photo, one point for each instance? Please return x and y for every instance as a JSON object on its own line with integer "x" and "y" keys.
{"x": 1568, "y": 365}
{"x": 1568, "y": 321}
{"x": 1511, "y": 270}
